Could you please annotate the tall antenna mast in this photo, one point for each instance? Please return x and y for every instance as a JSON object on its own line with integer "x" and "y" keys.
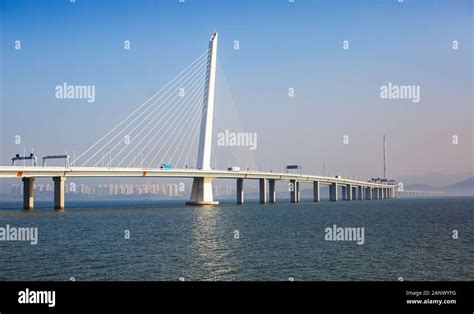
{"x": 384, "y": 159}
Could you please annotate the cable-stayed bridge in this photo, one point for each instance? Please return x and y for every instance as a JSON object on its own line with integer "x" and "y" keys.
{"x": 171, "y": 134}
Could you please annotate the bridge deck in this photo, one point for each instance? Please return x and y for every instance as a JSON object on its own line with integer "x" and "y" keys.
{"x": 31, "y": 171}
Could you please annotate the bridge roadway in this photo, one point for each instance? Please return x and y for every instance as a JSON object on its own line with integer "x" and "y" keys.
{"x": 351, "y": 189}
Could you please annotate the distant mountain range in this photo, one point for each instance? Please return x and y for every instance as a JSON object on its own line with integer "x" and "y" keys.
{"x": 465, "y": 187}
{"x": 436, "y": 179}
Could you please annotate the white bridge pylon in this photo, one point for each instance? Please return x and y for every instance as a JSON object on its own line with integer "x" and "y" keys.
{"x": 201, "y": 193}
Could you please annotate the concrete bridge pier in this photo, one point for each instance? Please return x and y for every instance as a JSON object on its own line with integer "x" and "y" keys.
{"x": 59, "y": 192}
{"x": 298, "y": 195}
{"x": 354, "y": 193}
{"x": 240, "y": 191}
{"x": 381, "y": 193}
{"x": 333, "y": 192}
{"x": 272, "y": 191}
{"x": 263, "y": 191}
{"x": 316, "y": 191}
{"x": 360, "y": 193}
{"x": 368, "y": 193}
{"x": 201, "y": 193}
{"x": 28, "y": 188}
{"x": 349, "y": 192}
{"x": 294, "y": 191}
{"x": 343, "y": 192}
{"x": 375, "y": 193}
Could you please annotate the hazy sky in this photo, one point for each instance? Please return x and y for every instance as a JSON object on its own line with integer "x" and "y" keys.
{"x": 282, "y": 45}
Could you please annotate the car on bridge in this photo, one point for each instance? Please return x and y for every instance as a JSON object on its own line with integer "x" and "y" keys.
{"x": 166, "y": 166}
{"x": 237, "y": 169}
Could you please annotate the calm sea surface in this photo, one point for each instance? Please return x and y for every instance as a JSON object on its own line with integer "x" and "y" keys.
{"x": 408, "y": 238}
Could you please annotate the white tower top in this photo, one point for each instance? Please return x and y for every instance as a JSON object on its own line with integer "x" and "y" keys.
{"x": 205, "y": 138}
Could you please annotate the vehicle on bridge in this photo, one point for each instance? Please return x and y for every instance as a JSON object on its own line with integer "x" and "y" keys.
{"x": 166, "y": 166}
{"x": 237, "y": 169}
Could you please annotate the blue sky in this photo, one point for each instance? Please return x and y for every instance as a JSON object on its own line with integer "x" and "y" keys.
{"x": 282, "y": 45}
